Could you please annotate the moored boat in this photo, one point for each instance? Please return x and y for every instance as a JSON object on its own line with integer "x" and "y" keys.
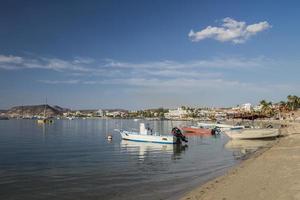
{"x": 45, "y": 121}
{"x": 253, "y": 133}
{"x": 194, "y": 130}
{"x": 147, "y": 135}
{"x": 222, "y": 127}
{"x": 4, "y": 118}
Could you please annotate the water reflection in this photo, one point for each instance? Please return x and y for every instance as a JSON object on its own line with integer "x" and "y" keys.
{"x": 241, "y": 148}
{"x": 75, "y": 155}
{"x": 147, "y": 149}
{"x": 178, "y": 149}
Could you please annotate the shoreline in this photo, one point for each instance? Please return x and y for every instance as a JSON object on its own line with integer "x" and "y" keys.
{"x": 272, "y": 173}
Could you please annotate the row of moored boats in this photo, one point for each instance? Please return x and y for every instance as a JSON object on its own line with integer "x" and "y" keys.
{"x": 180, "y": 134}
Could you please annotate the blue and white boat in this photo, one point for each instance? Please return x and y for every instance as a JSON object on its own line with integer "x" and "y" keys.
{"x": 147, "y": 135}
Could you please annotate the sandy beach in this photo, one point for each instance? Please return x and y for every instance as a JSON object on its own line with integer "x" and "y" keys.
{"x": 272, "y": 174}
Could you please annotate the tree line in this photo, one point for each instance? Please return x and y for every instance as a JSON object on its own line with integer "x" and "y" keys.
{"x": 291, "y": 104}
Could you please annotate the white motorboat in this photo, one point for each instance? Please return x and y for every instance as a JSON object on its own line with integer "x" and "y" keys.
{"x": 147, "y": 135}
{"x": 222, "y": 127}
{"x": 253, "y": 133}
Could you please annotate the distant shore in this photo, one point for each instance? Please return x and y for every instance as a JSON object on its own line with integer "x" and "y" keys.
{"x": 272, "y": 174}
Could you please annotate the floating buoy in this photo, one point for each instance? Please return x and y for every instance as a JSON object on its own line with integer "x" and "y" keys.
{"x": 109, "y": 137}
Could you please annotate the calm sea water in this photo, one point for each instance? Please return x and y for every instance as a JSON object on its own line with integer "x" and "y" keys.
{"x": 73, "y": 160}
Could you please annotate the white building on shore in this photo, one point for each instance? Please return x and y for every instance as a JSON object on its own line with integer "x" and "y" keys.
{"x": 178, "y": 113}
{"x": 100, "y": 113}
{"x": 246, "y": 107}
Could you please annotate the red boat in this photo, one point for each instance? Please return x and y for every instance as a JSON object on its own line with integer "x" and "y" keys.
{"x": 197, "y": 131}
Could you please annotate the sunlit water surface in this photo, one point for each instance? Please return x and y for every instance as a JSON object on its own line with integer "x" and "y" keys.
{"x": 74, "y": 160}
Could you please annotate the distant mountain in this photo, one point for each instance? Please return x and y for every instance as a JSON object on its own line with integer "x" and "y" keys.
{"x": 61, "y": 109}
{"x": 34, "y": 110}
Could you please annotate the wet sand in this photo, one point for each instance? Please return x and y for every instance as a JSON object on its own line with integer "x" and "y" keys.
{"x": 273, "y": 174}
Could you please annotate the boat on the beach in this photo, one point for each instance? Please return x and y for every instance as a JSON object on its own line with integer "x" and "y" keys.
{"x": 147, "y": 135}
{"x": 222, "y": 127}
{"x": 253, "y": 133}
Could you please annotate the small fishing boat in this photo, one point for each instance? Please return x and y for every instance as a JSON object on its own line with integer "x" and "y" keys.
{"x": 222, "y": 127}
{"x": 4, "y": 118}
{"x": 147, "y": 135}
{"x": 45, "y": 121}
{"x": 70, "y": 118}
{"x": 253, "y": 133}
{"x": 195, "y": 130}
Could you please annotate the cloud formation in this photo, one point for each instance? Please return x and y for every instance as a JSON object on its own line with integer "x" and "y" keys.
{"x": 109, "y": 67}
{"x": 59, "y": 81}
{"x": 141, "y": 81}
{"x": 196, "y": 75}
{"x": 11, "y": 62}
{"x": 230, "y": 31}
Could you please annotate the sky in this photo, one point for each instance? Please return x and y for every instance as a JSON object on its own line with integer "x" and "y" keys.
{"x": 145, "y": 54}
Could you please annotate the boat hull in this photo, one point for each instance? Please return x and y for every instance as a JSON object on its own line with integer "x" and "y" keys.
{"x": 196, "y": 131}
{"x": 126, "y": 135}
{"x": 222, "y": 127}
{"x": 253, "y": 134}
{"x": 44, "y": 121}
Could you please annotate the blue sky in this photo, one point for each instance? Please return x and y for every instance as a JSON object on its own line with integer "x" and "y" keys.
{"x": 145, "y": 54}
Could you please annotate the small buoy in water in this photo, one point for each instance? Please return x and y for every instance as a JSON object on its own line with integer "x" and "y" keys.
{"x": 109, "y": 137}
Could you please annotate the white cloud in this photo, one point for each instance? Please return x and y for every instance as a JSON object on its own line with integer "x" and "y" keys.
{"x": 194, "y": 75}
{"x": 231, "y": 30}
{"x": 60, "y": 81}
{"x": 221, "y": 62}
{"x": 17, "y": 63}
{"x": 81, "y": 60}
{"x": 10, "y": 59}
{"x": 111, "y": 67}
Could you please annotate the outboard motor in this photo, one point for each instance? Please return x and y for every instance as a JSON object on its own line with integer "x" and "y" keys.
{"x": 178, "y": 134}
{"x": 215, "y": 131}
{"x": 270, "y": 126}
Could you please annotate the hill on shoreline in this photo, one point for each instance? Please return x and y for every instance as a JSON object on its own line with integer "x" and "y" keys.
{"x": 35, "y": 110}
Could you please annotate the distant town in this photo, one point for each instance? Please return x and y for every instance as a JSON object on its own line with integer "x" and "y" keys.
{"x": 264, "y": 109}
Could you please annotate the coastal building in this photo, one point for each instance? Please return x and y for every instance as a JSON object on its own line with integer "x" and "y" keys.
{"x": 246, "y": 107}
{"x": 219, "y": 116}
{"x": 178, "y": 113}
{"x": 116, "y": 113}
{"x": 257, "y": 108}
{"x": 100, "y": 113}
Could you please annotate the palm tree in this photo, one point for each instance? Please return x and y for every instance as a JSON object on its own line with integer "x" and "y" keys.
{"x": 266, "y": 107}
{"x": 283, "y": 106}
{"x": 293, "y": 102}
